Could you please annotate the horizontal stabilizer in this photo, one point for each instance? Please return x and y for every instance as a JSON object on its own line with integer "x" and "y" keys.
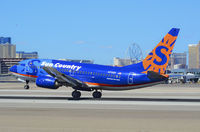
{"x": 156, "y": 76}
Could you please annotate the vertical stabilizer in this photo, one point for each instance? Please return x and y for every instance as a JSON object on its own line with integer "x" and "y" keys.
{"x": 157, "y": 60}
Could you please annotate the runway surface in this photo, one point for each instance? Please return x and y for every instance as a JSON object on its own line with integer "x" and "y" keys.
{"x": 162, "y": 108}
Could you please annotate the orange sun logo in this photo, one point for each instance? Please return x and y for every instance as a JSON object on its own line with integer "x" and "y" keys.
{"x": 158, "y": 59}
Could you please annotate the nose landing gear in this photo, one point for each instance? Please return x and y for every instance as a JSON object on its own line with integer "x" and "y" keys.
{"x": 26, "y": 86}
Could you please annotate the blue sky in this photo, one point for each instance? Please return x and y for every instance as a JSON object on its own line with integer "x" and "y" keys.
{"x": 96, "y": 29}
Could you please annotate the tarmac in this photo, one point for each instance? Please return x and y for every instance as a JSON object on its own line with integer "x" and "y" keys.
{"x": 161, "y": 108}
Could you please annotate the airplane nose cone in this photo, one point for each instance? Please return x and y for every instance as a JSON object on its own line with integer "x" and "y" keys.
{"x": 13, "y": 68}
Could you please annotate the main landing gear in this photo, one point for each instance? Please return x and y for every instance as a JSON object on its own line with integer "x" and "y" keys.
{"x": 96, "y": 94}
{"x": 26, "y": 86}
{"x": 77, "y": 94}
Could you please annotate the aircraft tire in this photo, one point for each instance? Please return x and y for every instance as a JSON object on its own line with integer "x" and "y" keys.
{"x": 26, "y": 87}
{"x": 76, "y": 94}
{"x": 97, "y": 94}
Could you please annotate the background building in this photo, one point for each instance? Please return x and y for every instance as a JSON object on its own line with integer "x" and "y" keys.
{"x": 7, "y": 50}
{"x": 27, "y": 55}
{"x": 122, "y": 62}
{"x": 5, "y": 40}
{"x": 178, "y": 61}
{"x": 194, "y": 56}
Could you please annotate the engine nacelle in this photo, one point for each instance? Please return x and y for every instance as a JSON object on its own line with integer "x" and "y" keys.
{"x": 47, "y": 82}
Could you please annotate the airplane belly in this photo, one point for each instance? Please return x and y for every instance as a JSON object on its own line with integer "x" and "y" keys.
{"x": 124, "y": 87}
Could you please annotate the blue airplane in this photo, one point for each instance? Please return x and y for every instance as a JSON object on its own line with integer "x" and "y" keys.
{"x": 52, "y": 74}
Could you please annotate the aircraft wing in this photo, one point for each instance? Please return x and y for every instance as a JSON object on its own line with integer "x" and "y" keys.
{"x": 64, "y": 79}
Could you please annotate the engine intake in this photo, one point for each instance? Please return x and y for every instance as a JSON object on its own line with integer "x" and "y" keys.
{"x": 47, "y": 82}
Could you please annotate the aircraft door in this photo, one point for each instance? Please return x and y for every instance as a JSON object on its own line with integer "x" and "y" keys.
{"x": 130, "y": 78}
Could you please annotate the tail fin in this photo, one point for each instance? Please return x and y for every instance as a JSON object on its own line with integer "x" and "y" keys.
{"x": 157, "y": 60}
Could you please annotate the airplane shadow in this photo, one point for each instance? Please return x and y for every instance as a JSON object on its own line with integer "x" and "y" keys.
{"x": 103, "y": 99}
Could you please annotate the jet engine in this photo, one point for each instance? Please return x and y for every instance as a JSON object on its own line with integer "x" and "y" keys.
{"x": 47, "y": 82}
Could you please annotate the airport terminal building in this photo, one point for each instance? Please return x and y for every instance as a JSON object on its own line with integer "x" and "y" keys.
{"x": 28, "y": 55}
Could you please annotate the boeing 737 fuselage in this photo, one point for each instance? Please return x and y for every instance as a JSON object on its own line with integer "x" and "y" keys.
{"x": 53, "y": 74}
